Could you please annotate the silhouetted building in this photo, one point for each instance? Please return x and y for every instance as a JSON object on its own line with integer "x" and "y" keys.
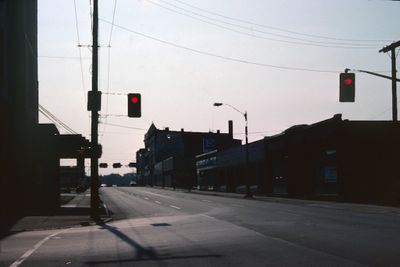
{"x": 29, "y": 151}
{"x": 334, "y": 158}
{"x": 168, "y": 158}
{"x": 348, "y": 160}
{"x": 19, "y": 105}
{"x": 225, "y": 170}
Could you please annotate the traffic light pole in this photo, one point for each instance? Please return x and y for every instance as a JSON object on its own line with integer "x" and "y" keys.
{"x": 94, "y": 161}
{"x": 394, "y": 85}
{"x": 392, "y": 49}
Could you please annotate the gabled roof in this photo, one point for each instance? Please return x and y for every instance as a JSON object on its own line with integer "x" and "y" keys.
{"x": 152, "y": 130}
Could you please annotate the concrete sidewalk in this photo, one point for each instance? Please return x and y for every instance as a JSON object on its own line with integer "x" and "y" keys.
{"x": 75, "y": 213}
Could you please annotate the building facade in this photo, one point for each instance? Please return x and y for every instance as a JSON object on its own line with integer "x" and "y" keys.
{"x": 29, "y": 152}
{"x": 331, "y": 159}
{"x": 168, "y": 158}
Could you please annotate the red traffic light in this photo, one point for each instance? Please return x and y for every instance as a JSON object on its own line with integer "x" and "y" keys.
{"x": 134, "y": 99}
{"x": 348, "y": 81}
{"x": 347, "y": 87}
{"x": 134, "y": 105}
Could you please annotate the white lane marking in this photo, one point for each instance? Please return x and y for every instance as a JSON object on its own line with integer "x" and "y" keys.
{"x": 158, "y": 202}
{"x": 175, "y": 207}
{"x": 146, "y": 198}
{"x": 155, "y": 194}
{"x": 35, "y": 247}
{"x": 70, "y": 205}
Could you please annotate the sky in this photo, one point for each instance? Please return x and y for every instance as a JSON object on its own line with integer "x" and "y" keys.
{"x": 278, "y": 60}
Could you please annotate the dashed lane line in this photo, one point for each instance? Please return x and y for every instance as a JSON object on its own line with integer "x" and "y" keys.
{"x": 175, "y": 207}
{"x": 158, "y": 202}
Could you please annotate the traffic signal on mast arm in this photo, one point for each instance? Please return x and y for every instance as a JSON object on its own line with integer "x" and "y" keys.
{"x": 134, "y": 105}
{"x": 347, "y": 87}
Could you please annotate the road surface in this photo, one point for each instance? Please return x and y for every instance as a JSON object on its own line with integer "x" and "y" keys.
{"x": 154, "y": 227}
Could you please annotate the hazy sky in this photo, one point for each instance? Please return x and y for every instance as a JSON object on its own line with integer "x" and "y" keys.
{"x": 279, "y": 60}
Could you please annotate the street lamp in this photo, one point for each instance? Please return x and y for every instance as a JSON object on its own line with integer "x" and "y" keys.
{"x": 248, "y": 192}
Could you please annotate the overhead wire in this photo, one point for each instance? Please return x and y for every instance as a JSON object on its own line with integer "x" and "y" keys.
{"x": 244, "y": 61}
{"x": 63, "y": 57}
{"x": 109, "y": 65}
{"x": 80, "y": 52}
{"x": 124, "y": 126}
{"x": 279, "y": 29}
{"x": 305, "y": 42}
{"x": 56, "y": 120}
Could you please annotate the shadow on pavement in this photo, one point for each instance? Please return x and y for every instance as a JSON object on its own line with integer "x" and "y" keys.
{"x": 159, "y": 259}
{"x": 142, "y": 253}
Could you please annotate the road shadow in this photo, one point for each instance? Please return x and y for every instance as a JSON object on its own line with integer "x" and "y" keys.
{"x": 141, "y": 252}
{"x": 159, "y": 258}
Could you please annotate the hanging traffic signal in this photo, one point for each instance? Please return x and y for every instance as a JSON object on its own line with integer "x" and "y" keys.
{"x": 134, "y": 106}
{"x": 117, "y": 165}
{"x": 132, "y": 164}
{"x": 347, "y": 87}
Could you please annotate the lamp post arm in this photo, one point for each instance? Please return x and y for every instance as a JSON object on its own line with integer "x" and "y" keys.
{"x": 243, "y": 113}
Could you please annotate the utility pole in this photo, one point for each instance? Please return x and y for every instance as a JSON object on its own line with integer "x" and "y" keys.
{"x": 392, "y": 49}
{"x": 248, "y": 191}
{"x": 94, "y": 105}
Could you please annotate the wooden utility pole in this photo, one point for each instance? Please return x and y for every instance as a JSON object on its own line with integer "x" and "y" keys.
{"x": 94, "y": 104}
{"x": 392, "y": 49}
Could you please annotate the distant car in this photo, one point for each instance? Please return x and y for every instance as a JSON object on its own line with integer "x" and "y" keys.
{"x": 103, "y": 185}
{"x": 133, "y": 183}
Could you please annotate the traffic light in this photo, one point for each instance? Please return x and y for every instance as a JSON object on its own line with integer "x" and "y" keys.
{"x": 132, "y": 164}
{"x": 117, "y": 165}
{"x": 134, "y": 105}
{"x": 347, "y": 87}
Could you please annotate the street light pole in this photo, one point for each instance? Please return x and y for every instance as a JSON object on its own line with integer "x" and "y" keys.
{"x": 248, "y": 192}
{"x": 247, "y": 168}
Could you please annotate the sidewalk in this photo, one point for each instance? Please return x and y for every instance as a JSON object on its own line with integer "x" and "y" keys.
{"x": 74, "y": 213}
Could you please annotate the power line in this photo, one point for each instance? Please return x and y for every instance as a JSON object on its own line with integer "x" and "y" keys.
{"x": 220, "y": 56}
{"x": 280, "y": 29}
{"x": 63, "y": 57}
{"x": 54, "y": 119}
{"x": 124, "y": 126}
{"x": 112, "y": 115}
{"x": 80, "y": 52}
{"x": 108, "y": 93}
{"x": 109, "y": 61}
{"x": 305, "y": 42}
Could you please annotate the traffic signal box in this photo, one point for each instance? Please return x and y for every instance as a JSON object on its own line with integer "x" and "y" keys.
{"x": 347, "y": 87}
{"x": 134, "y": 105}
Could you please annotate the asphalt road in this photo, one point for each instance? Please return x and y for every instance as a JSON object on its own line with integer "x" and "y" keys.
{"x": 154, "y": 227}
